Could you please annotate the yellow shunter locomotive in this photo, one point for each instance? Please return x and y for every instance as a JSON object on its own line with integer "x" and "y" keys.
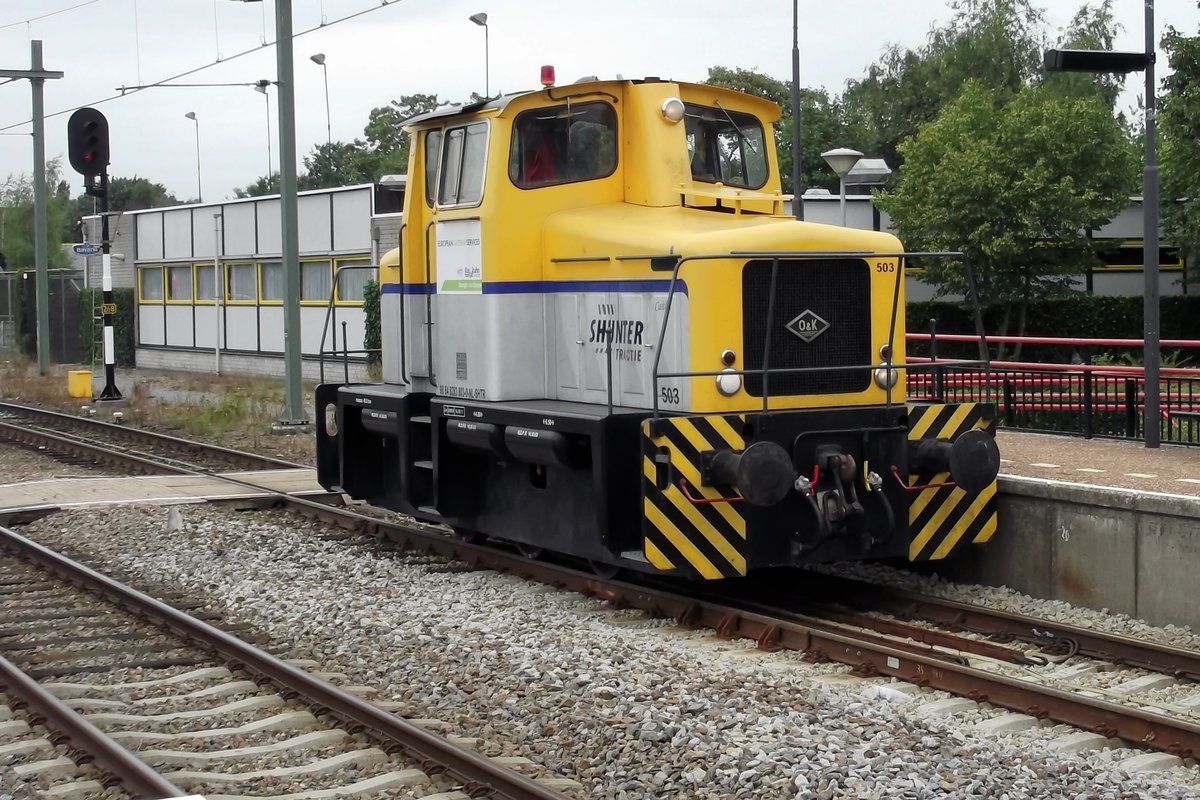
{"x": 603, "y": 337}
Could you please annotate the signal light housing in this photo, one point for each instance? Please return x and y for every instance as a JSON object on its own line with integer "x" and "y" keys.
{"x": 87, "y": 142}
{"x": 547, "y": 75}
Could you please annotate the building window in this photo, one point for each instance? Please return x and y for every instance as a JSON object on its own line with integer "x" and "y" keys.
{"x": 179, "y": 283}
{"x": 316, "y": 281}
{"x": 204, "y": 283}
{"x": 550, "y": 147}
{"x": 240, "y": 287}
{"x": 150, "y": 279}
{"x": 464, "y": 157}
{"x": 351, "y": 283}
{"x": 272, "y": 282}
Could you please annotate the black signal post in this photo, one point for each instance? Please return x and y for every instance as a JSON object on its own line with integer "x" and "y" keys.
{"x": 1121, "y": 63}
{"x": 87, "y": 150}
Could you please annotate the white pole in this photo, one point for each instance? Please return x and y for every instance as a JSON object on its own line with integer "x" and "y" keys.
{"x": 217, "y": 298}
{"x": 842, "y": 181}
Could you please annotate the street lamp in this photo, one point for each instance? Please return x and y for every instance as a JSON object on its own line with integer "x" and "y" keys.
{"x": 319, "y": 60}
{"x": 841, "y": 160}
{"x": 199, "y": 186}
{"x": 797, "y": 175}
{"x": 481, "y": 20}
{"x": 1122, "y": 63}
{"x": 261, "y": 86}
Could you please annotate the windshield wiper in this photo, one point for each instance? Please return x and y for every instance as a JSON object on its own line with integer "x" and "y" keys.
{"x": 737, "y": 128}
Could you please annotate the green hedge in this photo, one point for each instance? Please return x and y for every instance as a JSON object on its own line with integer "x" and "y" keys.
{"x": 91, "y": 328}
{"x": 371, "y": 336}
{"x": 1080, "y": 316}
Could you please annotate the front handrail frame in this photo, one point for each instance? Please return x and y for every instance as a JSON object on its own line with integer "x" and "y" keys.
{"x": 778, "y": 255}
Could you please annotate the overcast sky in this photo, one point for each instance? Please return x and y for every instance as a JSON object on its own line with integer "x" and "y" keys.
{"x": 412, "y": 46}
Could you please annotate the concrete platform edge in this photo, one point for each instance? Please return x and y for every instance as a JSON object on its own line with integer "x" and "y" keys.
{"x": 1124, "y": 550}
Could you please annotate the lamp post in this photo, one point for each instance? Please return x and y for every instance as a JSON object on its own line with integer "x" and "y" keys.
{"x": 294, "y": 412}
{"x": 199, "y": 186}
{"x": 319, "y": 60}
{"x": 841, "y": 160}
{"x": 481, "y": 20}
{"x": 1125, "y": 62}
{"x": 261, "y": 86}
{"x": 797, "y": 175}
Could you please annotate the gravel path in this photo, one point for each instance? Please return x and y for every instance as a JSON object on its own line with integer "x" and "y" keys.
{"x": 629, "y": 707}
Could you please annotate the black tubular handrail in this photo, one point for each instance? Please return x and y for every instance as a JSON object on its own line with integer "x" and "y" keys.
{"x": 846, "y": 255}
{"x": 331, "y": 320}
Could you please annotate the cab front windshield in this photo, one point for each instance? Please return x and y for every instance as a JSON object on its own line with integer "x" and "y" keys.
{"x": 725, "y": 146}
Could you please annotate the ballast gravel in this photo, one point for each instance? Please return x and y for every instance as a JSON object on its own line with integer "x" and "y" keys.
{"x": 628, "y": 707}
{"x": 21, "y": 464}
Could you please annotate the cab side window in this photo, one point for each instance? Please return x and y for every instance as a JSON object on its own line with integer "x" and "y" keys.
{"x": 563, "y": 144}
{"x": 433, "y": 147}
{"x": 464, "y": 158}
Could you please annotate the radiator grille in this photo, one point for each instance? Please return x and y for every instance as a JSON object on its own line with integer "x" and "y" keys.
{"x": 833, "y": 292}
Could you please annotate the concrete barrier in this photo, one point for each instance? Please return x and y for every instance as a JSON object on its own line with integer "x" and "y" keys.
{"x": 1121, "y": 549}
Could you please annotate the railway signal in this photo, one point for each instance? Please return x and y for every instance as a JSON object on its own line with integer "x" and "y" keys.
{"x": 87, "y": 142}
{"x": 87, "y": 150}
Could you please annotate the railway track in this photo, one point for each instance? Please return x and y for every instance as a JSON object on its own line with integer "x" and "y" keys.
{"x": 139, "y": 450}
{"x": 163, "y": 704}
{"x": 931, "y": 643}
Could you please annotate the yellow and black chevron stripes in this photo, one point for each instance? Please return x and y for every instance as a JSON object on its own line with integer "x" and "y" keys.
{"x": 943, "y": 518}
{"x": 701, "y": 540}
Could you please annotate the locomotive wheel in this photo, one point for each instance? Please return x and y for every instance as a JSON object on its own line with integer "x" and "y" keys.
{"x": 468, "y": 536}
{"x": 603, "y": 570}
{"x": 530, "y": 551}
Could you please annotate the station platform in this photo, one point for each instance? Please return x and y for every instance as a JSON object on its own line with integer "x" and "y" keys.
{"x": 1108, "y": 463}
{"x": 153, "y": 489}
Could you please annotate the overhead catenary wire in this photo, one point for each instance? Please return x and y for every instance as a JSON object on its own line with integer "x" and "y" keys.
{"x": 48, "y": 14}
{"x": 202, "y": 67}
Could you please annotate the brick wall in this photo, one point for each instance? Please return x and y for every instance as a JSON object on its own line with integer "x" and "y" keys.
{"x": 388, "y": 228}
{"x": 124, "y": 251}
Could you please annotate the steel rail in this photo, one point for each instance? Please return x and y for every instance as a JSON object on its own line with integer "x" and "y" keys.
{"x": 476, "y": 771}
{"x": 250, "y": 460}
{"x": 904, "y": 636}
{"x": 1155, "y": 731}
{"x": 85, "y": 740}
{"x": 102, "y": 455}
{"x": 1143, "y": 728}
{"x": 1125, "y": 650}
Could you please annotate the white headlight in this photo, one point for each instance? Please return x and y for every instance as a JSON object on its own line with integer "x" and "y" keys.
{"x": 885, "y": 378}
{"x": 672, "y": 109}
{"x": 729, "y": 382}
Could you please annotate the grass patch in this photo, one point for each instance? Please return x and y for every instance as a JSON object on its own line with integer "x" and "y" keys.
{"x": 230, "y": 412}
{"x": 237, "y": 411}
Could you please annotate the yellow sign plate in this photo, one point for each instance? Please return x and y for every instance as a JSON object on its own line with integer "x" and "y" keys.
{"x": 108, "y": 308}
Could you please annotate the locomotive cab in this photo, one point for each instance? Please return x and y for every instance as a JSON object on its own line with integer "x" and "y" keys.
{"x": 603, "y": 337}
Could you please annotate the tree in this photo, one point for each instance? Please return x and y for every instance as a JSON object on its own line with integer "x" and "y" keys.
{"x": 1090, "y": 29}
{"x": 1179, "y": 120}
{"x": 382, "y": 151}
{"x": 995, "y": 42}
{"x": 16, "y": 219}
{"x": 266, "y": 184}
{"x": 124, "y": 194}
{"x": 1013, "y": 185}
{"x": 820, "y": 118}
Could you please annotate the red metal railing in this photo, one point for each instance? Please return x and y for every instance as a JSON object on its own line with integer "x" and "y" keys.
{"x": 1081, "y": 398}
